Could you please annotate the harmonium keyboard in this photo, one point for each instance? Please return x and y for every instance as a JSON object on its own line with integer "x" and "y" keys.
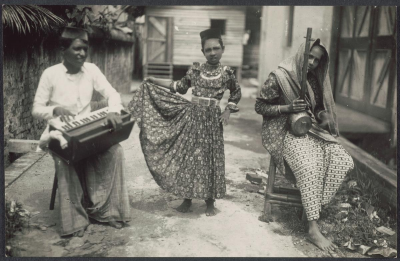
{"x": 88, "y": 135}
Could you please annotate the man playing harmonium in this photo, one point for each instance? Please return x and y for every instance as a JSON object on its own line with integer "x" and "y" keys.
{"x": 66, "y": 90}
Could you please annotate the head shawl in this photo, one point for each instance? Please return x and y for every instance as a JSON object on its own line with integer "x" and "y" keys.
{"x": 74, "y": 33}
{"x": 292, "y": 68}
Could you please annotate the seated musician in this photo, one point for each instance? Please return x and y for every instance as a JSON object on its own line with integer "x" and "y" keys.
{"x": 66, "y": 90}
{"x": 318, "y": 162}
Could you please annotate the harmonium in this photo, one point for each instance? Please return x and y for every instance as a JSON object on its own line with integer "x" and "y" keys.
{"x": 88, "y": 135}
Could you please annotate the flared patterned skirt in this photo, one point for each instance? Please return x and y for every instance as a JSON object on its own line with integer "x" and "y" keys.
{"x": 182, "y": 142}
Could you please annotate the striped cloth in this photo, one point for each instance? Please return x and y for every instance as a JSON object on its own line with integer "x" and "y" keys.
{"x": 95, "y": 188}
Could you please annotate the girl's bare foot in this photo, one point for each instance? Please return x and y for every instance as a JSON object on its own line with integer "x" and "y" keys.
{"x": 185, "y": 206}
{"x": 210, "y": 211}
{"x": 315, "y": 236}
{"x": 115, "y": 224}
{"x": 125, "y": 224}
{"x": 79, "y": 233}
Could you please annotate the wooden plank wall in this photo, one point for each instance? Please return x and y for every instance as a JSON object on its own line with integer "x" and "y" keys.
{"x": 189, "y": 21}
{"x": 251, "y": 55}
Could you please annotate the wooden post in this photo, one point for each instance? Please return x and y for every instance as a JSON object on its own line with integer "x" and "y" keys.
{"x": 266, "y": 216}
{"x": 334, "y": 49}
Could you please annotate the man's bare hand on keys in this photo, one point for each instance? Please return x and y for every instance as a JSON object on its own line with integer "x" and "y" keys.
{"x": 65, "y": 115}
{"x": 114, "y": 119}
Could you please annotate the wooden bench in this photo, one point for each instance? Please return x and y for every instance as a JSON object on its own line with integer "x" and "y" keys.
{"x": 23, "y": 163}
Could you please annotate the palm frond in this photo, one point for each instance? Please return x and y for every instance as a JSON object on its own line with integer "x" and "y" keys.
{"x": 30, "y": 18}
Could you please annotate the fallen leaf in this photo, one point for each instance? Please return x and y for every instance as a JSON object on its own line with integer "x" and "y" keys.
{"x": 383, "y": 251}
{"x": 385, "y": 230}
{"x": 369, "y": 209}
{"x": 12, "y": 206}
{"x": 352, "y": 183}
{"x": 363, "y": 249}
{"x": 344, "y": 205}
{"x": 35, "y": 213}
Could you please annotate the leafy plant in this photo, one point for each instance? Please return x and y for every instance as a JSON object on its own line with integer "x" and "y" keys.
{"x": 16, "y": 217}
{"x": 85, "y": 16}
{"x": 362, "y": 217}
{"x": 30, "y": 18}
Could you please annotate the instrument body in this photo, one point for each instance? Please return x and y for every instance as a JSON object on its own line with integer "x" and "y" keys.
{"x": 300, "y": 123}
{"x": 88, "y": 135}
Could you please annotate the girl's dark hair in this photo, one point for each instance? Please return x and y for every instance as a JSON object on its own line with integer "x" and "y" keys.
{"x": 65, "y": 43}
{"x": 204, "y": 40}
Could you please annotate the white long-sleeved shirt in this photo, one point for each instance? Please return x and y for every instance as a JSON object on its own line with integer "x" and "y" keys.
{"x": 73, "y": 92}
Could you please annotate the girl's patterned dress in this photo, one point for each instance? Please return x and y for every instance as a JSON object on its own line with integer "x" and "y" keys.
{"x": 183, "y": 142}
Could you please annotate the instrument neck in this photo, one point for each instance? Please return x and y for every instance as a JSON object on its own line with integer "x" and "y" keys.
{"x": 305, "y": 64}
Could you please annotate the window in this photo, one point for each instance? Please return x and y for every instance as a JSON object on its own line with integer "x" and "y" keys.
{"x": 220, "y": 24}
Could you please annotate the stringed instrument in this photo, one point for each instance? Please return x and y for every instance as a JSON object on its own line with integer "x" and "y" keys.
{"x": 300, "y": 122}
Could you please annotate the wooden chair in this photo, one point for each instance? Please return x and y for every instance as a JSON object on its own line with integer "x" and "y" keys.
{"x": 54, "y": 191}
{"x": 276, "y": 195}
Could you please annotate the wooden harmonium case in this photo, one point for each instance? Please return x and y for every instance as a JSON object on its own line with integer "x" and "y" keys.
{"x": 88, "y": 135}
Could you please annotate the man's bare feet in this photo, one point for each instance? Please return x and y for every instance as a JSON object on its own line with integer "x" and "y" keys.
{"x": 185, "y": 206}
{"x": 79, "y": 233}
{"x": 315, "y": 236}
{"x": 115, "y": 224}
{"x": 210, "y": 211}
{"x": 125, "y": 224}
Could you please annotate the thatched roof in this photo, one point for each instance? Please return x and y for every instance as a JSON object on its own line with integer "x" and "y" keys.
{"x": 25, "y": 19}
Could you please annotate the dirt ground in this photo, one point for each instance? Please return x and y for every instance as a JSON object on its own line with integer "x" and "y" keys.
{"x": 156, "y": 228}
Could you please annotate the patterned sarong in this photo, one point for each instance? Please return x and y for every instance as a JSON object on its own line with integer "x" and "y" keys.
{"x": 319, "y": 167}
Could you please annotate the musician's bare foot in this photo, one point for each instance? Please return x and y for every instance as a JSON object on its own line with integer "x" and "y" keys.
{"x": 79, "y": 233}
{"x": 185, "y": 206}
{"x": 115, "y": 224}
{"x": 210, "y": 211}
{"x": 315, "y": 236}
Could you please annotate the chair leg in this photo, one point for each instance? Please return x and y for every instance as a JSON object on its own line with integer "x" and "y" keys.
{"x": 266, "y": 216}
{"x": 53, "y": 192}
{"x": 304, "y": 216}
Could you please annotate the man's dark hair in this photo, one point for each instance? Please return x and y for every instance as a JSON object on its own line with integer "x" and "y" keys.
{"x": 65, "y": 43}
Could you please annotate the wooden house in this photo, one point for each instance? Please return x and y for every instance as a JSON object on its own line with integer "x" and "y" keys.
{"x": 172, "y": 41}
